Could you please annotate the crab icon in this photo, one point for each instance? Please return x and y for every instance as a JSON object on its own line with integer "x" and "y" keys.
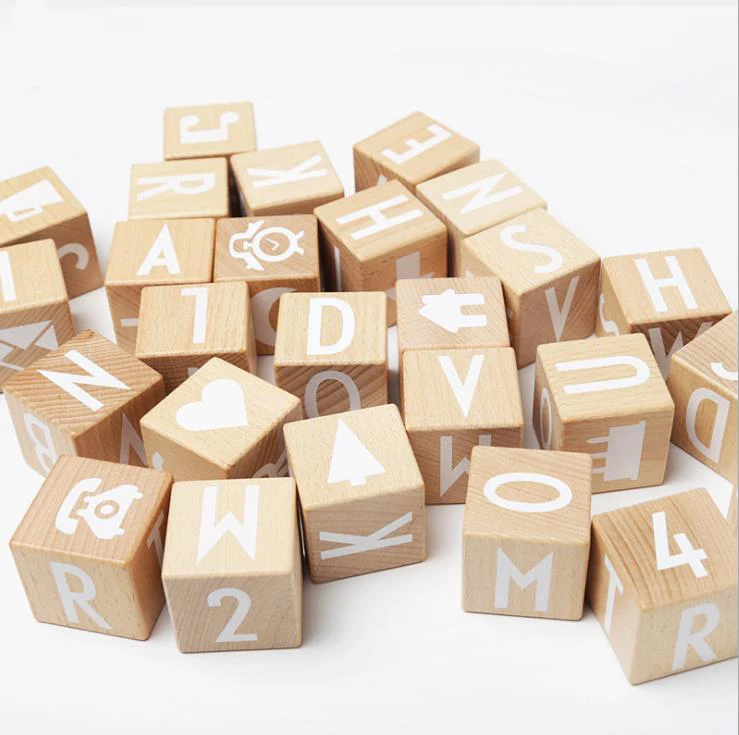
{"x": 279, "y": 244}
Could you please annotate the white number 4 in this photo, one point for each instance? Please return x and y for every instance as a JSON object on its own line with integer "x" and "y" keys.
{"x": 688, "y": 553}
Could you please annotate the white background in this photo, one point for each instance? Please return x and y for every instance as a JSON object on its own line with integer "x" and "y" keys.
{"x": 624, "y": 120}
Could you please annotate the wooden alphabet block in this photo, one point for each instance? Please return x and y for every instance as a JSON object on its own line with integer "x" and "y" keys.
{"x": 221, "y": 423}
{"x": 213, "y": 320}
{"x": 294, "y": 179}
{"x": 373, "y": 238}
{"x": 274, "y": 255}
{"x": 475, "y": 198}
{"x": 526, "y": 533}
{"x": 703, "y": 383}
{"x": 34, "y": 308}
{"x": 452, "y": 401}
{"x": 670, "y": 296}
{"x": 202, "y": 131}
{"x": 154, "y": 253}
{"x": 85, "y": 398}
{"x": 411, "y": 150}
{"x": 233, "y": 565}
{"x": 550, "y": 279}
{"x": 331, "y": 351}
{"x": 663, "y": 584}
{"x": 89, "y": 549}
{"x": 361, "y": 494}
{"x": 605, "y": 397}
{"x": 37, "y": 206}
{"x": 195, "y": 187}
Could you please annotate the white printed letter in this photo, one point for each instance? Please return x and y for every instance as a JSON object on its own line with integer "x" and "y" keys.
{"x": 71, "y": 600}
{"x": 687, "y": 638}
{"x": 712, "y": 450}
{"x": 315, "y": 323}
{"x": 507, "y": 572}
{"x": 376, "y": 214}
{"x": 244, "y": 531}
{"x": 654, "y": 285}
{"x": 641, "y": 373}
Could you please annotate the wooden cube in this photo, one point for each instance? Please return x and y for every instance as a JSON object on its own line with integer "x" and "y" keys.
{"x": 474, "y": 199}
{"x": 361, "y": 493}
{"x": 445, "y": 313}
{"x": 201, "y": 131}
{"x": 274, "y": 255}
{"x": 85, "y": 398}
{"x": 34, "y": 308}
{"x": 154, "y": 253}
{"x": 213, "y": 320}
{"x": 293, "y": 179}
{"x": 526, "y": 533}
{"x": 88, "y": 550}
{"x": 221, "y": 423}
{"x": 374, "y": 238}
{"x": 550, "y": 279}
{"x": 703, "y": 383}
{"x": 452, "y": 401}
{"x": 605, "y": 397}
{"x": 195, "y": 187}
{"x": 663, "y": 584}
{"x": 331, "y": 351}
{"x": 37, "y": 206}
{"x": 670, "y": 296}
{"x": 411, "y": 150}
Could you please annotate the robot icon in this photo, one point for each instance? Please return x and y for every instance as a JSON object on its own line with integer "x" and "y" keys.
{"x": 279, "y": 244}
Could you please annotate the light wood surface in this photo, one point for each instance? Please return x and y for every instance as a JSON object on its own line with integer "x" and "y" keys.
{"x": 731, "y": 516}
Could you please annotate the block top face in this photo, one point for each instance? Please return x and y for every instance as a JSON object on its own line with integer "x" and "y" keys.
{"x": 294, "y": 174}
{"x": 665, "y": 285}
{"x": 202, "y": 538}
{"x": 267, "y": 248}
{"x": 379, "y": 221}
{"x": 93, "y": 509}
{"x": 530, "y": 495}
{"x": 30, "y": 275}
{"x": 475, "y": 388}
{"x": 351, "y": 456}
{"x": 479, "y": 196}
{"x": 641, "y": 544}
{"x": 417, "y": 148}
{"x": 332, "y": 329}
{"x": 32, "y": 202}
{"x": 200, "y": 131}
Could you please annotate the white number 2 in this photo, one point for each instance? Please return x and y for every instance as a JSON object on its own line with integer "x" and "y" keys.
{"x": 243, "y": 605}
{"x": 688, "y": 553}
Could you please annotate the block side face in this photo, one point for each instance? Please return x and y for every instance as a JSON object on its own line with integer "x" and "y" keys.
{"x": 612, "y": 321}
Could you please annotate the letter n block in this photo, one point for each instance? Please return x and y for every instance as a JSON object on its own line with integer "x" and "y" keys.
{"x": 663, "y": 584}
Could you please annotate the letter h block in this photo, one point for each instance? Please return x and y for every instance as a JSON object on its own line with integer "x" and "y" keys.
{"x": 663, "y": 584}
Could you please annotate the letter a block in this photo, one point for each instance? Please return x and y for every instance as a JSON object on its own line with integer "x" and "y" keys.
{"x": 663, "y": 584}
{"x": 605, "y": 397}
{"x": 526, "y": 533}
{"x": 331, "y": 351}
{"x": 85, "y": 398}
{"x": 89, "y": 549}
{"x": 703, "y": 383}
{"x": 233, "y": 565}
{"x": 670, "y": 296}
{"x": 361, "y": 493}
{"x": 454, "y": 400}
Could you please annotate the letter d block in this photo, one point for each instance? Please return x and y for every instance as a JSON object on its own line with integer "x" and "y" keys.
{"x": 526, "y": 533}
{"x": 89, "y": 549}
{"x": 331, "y": 350}
{"x": 663, "y": 584}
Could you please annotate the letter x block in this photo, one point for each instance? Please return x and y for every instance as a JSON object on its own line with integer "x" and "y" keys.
{"x": 89, "y": 549}
{"x": 526, "y": 533}
{"x": 605, "y": 397}
{"x": 361, "y": 493}
{"x": 382, "y": 234}
{"x": 233, "y": 565}
{"x": 663, "y": 584}
{"x": 85, "y": 398}
{"x": 703, "y": 383}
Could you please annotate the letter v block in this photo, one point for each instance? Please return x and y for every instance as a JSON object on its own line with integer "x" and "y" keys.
{"x": 663, "y": 584}
{"x": 361, "y": 493}
{"x": 85, "y": 398}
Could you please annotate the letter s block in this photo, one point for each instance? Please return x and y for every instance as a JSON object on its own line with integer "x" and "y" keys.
{"x": 663, "y": 584}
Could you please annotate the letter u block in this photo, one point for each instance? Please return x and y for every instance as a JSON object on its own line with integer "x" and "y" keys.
{"x": 526, "y": 533}
{"x": 331, "y": 350}
{"x": 663, "y": 584}
{"x": 607, "y": 398}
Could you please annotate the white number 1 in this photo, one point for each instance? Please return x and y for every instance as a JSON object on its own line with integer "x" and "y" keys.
{"x": 688, "y": 553}
{"x": 201, "y": 309}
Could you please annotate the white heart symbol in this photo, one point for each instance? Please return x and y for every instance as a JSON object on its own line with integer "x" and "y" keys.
{"x": 221, "y": 407}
